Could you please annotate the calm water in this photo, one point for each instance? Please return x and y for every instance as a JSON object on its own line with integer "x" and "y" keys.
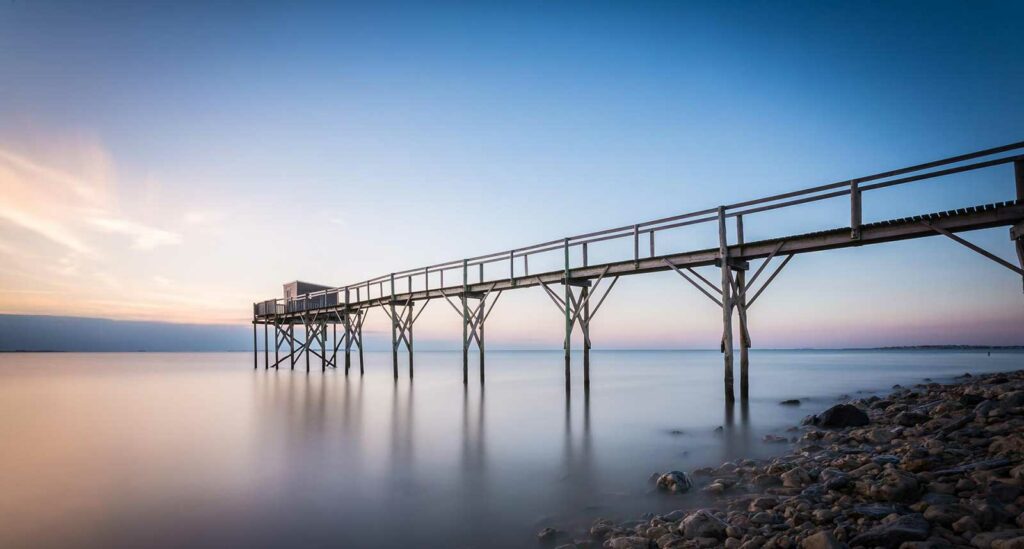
{"x": 129, "y": 450}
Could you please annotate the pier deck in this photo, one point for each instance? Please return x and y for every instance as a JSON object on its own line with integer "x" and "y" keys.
{"x": 399, "y": 293}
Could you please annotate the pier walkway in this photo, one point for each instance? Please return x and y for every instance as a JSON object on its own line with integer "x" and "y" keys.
{"x": 579, "y": 287}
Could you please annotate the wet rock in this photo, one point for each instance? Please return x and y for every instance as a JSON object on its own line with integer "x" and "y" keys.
{"x": 875, "y": 511}
{"x": 965, "y": 524}
{"x": 1015, "y": 543}
{"x": 774, "y": 439}
{"x": 676, "y": 482}
{"x": 945, "y": 515}
{"x": 987, "y": 540}
{"x": 895, "y": 486}
{"x": 628, "y": 542}
{"x": 703, "y": 524}
{"x": 909, "y": 419}
{"x": 547, "y": 534}
{"x": 791, "y": 402}
{"x": 821, "y": 540}
{"x": 795, "y": 478}
{"x": 892, "y": 534}
{"x": 841, "y": 415}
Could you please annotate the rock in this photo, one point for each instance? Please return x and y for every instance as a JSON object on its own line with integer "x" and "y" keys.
{"x": 791, "y": 402}
{"x": 841, "y": 415}
{"x": 676, "y": 482}
{"x": 1015, "y": 543}
{"x": 822, "y": 540}
{"x": 892, "y": 534}
{"x": 966, "y": 524}
{"x": 703, "y": 524}
{"x": 986, "y": 540}
{"x": 628, "y": 542}
{"x": 895, "y": 486}
{"x": 763, "y": 503}
{"x": 547, "y": 534}
{"x": 796, "y": 478}
{"x": 945, "y": 515}
{"x": 910, "y": 419}
{"x": 880, "y": 436}
{"x": 674, "y": 516}
{"x": 774, "y": 439}
{"x": 874, "y": 510}
{"x": 669, "y": 541}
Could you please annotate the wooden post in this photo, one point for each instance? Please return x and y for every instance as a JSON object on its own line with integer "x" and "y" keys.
{"x": 1018, "y": 173}
{"x": 568, "y": 315}
{"x": 323, "y": 342}
{"x": 465, "y": 323}
{"x": 305, "y": 342}
{"x": 855, "y": 210}
{"x": 348, "y": 334}
{"x": 741, "y": 306}
{"x": 360, "y": 330}
{"x": 266, "y": 348}
{"x": 409, "y": 331}
{"x": 255, "y": 348}
{"x": 636, "y": 244}
{"x": 480, "y": 335}
{"x": 585, "y": 324}
{"x": 277, "y": 344}
{"x": 291, "y": 344}
{"x": 394, "y": 329}
{"x": 723, "y": 252}
{"x": 511, "y": 267}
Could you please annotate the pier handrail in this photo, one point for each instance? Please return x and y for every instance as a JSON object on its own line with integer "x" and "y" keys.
{"x": 849, "y": 187}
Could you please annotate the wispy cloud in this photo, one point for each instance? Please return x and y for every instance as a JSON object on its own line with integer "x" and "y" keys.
{"x": 143, "y": 237}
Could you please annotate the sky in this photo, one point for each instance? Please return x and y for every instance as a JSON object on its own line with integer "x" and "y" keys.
{"x": 175, "y": 162}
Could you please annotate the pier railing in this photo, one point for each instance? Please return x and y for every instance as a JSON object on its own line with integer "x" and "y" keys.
{"x": 643, "y": 235}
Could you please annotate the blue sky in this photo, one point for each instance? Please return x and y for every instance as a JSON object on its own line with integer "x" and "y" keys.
{"x": 213, "y": 152}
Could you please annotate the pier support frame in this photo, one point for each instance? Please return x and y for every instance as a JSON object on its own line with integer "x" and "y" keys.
{"x": 403, "y": 315}
{"x": 576, "y": 307}
{"x": 474, "y": 312}
{"x": 352, "y": 324}
{"x": 738, "y": 287}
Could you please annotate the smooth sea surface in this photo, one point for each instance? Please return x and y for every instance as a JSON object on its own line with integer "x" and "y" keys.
{"x": 201, "y": 450}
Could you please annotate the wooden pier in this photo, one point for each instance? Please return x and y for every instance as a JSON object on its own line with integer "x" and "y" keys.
{"x": 579, "y": 289}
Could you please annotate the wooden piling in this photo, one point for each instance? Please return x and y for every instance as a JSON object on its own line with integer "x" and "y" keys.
{"x": 409, "y": 332}
{"x": 266, "y": 348}
{"x": 741, "y": 307}
{"x": 394, "y": 329}
{"x": 465, "y": 323}
{"x": 568, "y": 315}
{"x": 723, "y": 253}
{"x": 585, "y": 323}
{"x": 347, "y": 324}
{"x": 255, "y": 348}
{"x": 1018, "y": 174}
{"x": 480, "y": 335}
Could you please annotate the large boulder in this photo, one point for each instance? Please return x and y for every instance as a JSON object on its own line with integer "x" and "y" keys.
{"x": 841, "y": 415}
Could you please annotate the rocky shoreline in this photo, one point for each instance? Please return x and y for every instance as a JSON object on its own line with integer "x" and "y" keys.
{"x": 924, "y": 467}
